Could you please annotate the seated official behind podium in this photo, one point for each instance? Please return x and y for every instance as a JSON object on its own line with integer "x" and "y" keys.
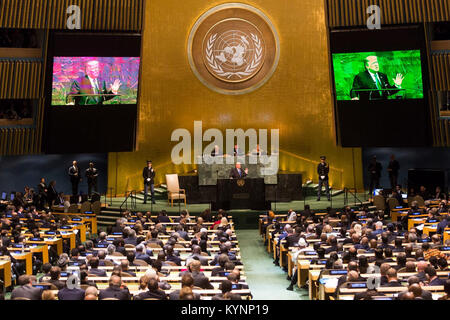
{"x": 237, "y": 172}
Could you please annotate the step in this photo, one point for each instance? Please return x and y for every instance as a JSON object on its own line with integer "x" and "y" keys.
{"x": 107, "y": 218}
{"x": 335, "y": 193}
{"x": 106, "y": 223}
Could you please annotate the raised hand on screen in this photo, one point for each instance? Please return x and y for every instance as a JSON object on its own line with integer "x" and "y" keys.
{"x": 116, "y": 86}
{"x": 398, "y": 80}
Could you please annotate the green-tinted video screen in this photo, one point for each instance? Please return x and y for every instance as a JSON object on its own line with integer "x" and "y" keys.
{"x": 378, "y": 75}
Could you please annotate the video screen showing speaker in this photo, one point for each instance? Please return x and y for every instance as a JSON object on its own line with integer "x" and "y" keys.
{"x": 92, "y": 90}
{"x": 85, "y": 81}
{"x": 378, "y": 75}
{"x": 380, "y": 86}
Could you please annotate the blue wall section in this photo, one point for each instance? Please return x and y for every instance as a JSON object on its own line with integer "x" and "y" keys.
{"x": 19, "y": 171}
{"x": 409, "y": 158}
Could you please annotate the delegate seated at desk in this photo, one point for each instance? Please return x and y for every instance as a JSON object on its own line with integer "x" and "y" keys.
{"x": 237, "y": 172}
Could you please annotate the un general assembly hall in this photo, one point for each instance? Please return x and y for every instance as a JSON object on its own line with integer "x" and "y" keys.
{"x": 274, "y": 153}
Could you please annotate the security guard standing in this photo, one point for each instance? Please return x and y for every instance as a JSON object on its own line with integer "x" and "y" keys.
{"x": 91, "y": 175}
{"x": 149, "y": 174}
{"x": 323, "y": 169}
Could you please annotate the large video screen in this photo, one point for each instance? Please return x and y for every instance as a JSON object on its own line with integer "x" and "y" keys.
{"x": 95, "y": 80}
{"x": 380, "y": 85}
{"x": 92, "y": 92}
{"x": 378, "y": 75}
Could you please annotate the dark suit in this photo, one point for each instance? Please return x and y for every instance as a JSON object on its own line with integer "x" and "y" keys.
{"x": 114, "y": 292}
{"x": 375, "y": 174}
{"x": 42, "y": 195}
{"x": 232, "y": 296}
{"x": 364, "y": 80}
{"x": 322, "y": 171}
{"x": 91, "y": 175}
{"x": 27, "y": 291}
{"x": 149, "y": 174}
{"x": 70, "y": 294}
{"x": 74, "y": 174}
{"x": 201, "y": 281}
{"x": 159, "y": 294}
{"x": 237, "y": 174}
{"x": 52, "y": 195}
{"x": 393, "y": 173}
{"x": 393, "y": 284}
{"x": 83, "y": 86}
{"x": 175, "y": 295}
{"x": 97, "y": 272}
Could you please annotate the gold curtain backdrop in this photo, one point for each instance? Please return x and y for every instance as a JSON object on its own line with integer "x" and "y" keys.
{"x": 297, "y": 99}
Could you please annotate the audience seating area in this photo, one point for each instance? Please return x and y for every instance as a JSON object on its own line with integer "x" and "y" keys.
{"x": 358, "y": 254}
{"x": 58, "y": 255}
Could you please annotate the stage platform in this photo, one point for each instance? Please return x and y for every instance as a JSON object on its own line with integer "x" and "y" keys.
{"x": 244, "y": 219}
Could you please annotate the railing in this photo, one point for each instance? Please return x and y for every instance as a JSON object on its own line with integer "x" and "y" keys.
{"x": 348, "y": 191}
{"x": 129, "y": 195}
{"x": 110, "y": 196}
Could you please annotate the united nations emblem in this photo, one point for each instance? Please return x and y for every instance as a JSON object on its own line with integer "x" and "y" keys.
{"x": 233, "y": 48}
{"x": 240, "y": 182}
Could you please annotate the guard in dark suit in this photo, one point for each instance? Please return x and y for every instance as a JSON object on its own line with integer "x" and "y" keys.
{"x": 237, "y": 172}
{"x": 374, "y": 173}
{"x": 52, "y": 194}
{"x": 75, "y": 178}
{"x": 372, "y": 84}
{"x": 393, "y": 169}
{"x": 149, "y": 175}
{"x": 91, "y": 175}
{"x": 322, "y": 170}
{"x": 42, "y": 194}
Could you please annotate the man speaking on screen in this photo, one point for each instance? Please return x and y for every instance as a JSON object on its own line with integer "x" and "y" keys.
{"x": 90, "y": 89}
{"x": 371, "y": 84}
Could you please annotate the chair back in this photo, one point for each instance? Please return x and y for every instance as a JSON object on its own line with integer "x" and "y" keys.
{"x": 379, "y": 202}
{"x": 73, "y": 208}
{"x": 419, "y": 200}
{"x": 129, "y": 246}
{"x": 95, "y": 207}
{"x": 110, "y": 299}
{"x": 108, "y": 263}
{"x": 173, "y": 186}
{"x": 85, "y": 206}
{"x": 393, "y": 203}
{"x": 21, "y": 298}
{"x": 140, "y": 262}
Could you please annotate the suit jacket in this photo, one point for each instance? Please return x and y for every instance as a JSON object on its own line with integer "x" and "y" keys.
{"x": 146, "y": 173}
{"x": 74, "y": 173}
{"x": 41, "y": 189}
{"x": 91, "y": 175}
{"x": 97, "y": 272}
{"x": 393, "y": 284}
{"x": 114, "y": 292}
{"x": 158, "y": 294}
{"x": 234, "y": 173}
{"x": 57, "y": 283}
{"x": 201, "y": 281}
{"x": 27, "y": 291}
{"x": 175, "y": 295}
{"x": 364, "y": 80}
{"x": 51, "y": 194}
{"x": 83, "y": 86}
{"x": 426, "y": 295}
{"x": 232, "y": 296}
{"x": 202, "y": 259}
{"x": 292, "y": 240}
{"x": 70, "y": 294}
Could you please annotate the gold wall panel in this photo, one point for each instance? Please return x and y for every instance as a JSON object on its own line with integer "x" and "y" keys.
{"x": 297, "y": 99}
{"x": 20, "y": 79}
{"x": 95, "y": 14}
{"x": 345, "y": 13}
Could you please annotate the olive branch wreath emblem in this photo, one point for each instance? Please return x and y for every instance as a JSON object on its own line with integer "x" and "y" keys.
{"x": 251, "y": 67}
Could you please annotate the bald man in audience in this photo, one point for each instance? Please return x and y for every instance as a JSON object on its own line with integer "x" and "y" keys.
{"x": 425, "y": 294}
{"x": 114, "y": 290}
{"x": 383, "y": 272}
{"x": 392, "y": 279}
{"x": 187, "y": 281}
{"x": 421, "y": 266}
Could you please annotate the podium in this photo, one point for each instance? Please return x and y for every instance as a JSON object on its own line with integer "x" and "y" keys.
{"x": 241, "y": 194}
